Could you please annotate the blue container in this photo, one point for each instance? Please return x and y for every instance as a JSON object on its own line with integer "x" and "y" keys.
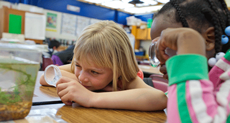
{"x": 140, "y": 53}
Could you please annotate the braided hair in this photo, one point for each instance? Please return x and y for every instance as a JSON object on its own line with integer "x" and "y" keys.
{"x": 201, "y": 13}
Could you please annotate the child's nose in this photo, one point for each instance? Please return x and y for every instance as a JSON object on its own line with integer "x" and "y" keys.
{"x": 83, "y": 77}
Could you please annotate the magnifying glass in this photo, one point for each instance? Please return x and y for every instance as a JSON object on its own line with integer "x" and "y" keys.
{"x": 52, "y": 74}
{"x": 152, "y": 54}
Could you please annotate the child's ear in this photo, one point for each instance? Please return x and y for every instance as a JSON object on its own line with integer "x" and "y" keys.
{"x": 209, "y": 36}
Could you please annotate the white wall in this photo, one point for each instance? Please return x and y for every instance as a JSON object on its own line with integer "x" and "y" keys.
{"x": 3, "y": 3}
{"x": 30, "y": 8}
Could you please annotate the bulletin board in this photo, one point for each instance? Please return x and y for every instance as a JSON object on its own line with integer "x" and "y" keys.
{"x": 68, "y": 26}
{"x": 55, "y": 29}
{"x": 82, "y": 22}
{"x": 59, "y": 33}
{"x": 13, "y": 21}
{"x": 92, "y": 21}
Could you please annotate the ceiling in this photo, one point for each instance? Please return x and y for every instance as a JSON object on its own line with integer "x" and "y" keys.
{"x": 129, "y": 6}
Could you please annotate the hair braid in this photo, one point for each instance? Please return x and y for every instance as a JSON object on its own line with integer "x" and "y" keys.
{"x": 225, "y": 47}
{"x": 209, "y": 14}
{"x": 226, "y": 11}
{"x": 221, "y": 20}
{"x": 182, "y": 18}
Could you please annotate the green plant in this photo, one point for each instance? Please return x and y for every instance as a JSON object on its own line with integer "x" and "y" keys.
{"x": 26, "y": 80}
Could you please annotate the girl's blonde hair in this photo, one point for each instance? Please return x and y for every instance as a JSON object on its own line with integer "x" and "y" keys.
{"x": 108, "y": 45}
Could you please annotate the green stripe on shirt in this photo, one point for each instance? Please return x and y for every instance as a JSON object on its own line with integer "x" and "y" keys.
{"x": 227, "y": 55}
{"x": 186, "y": 67}
{"x": 228, "y": 120}
{"x": 182, "y": 103}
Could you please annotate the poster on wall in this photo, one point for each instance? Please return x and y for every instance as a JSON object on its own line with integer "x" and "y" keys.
{"x": 68, "y": 26}
{"x": 15, "y": 24}
{"x": 82, "y": 22}
{"x": 35, "y": 26}
{"x": 51, "y": 22}
{"x": 93, "y": 21}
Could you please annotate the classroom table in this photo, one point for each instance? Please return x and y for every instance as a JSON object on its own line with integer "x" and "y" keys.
{"x": 149, "y": 69}
{"x": 78, "y": 114}
{"x": 44, "y": 94}
{"x": 49, "y": 109}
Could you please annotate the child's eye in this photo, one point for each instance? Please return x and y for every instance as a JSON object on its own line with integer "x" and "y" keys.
{"x": 94, "y": 72}
{"x": 77, "y": 65}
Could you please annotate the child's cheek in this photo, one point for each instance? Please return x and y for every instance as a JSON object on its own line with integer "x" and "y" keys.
{"x": 98, "y": 84}
{"x": 76, "y": 72}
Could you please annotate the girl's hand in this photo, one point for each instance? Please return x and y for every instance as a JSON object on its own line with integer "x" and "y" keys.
{"x": 184, "y": 40}
{"x": 164, "y": 71}
{"x": 71, "y": 90}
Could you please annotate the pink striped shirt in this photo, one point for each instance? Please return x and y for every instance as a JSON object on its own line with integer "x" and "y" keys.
{"x": 202, "y": 99}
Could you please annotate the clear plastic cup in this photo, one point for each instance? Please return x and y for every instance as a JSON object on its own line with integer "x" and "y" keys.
{"x": 19, "y": 64}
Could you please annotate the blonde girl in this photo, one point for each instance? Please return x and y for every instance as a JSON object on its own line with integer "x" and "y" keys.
{"x": 104, "y": 61}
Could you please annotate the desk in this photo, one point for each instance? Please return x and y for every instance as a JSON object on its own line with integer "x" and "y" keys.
{"x": 149, "y": 69}
{"x": 44, "y": 94}
{"x": 76, "y": 113}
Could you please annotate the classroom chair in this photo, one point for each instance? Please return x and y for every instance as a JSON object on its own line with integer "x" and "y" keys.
{"x": 163, "y": 86}
{"x": 46, "y": 62}
{"x": 158, "y": 77}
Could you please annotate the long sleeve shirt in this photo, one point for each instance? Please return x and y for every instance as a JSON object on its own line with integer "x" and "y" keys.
{"x": 194, "y": 96}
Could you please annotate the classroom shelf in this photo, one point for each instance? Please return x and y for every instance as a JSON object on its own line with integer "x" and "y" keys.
{"x": 140, "y": 35}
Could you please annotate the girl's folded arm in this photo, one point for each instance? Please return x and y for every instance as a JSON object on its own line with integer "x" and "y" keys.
{"x": 141, "y": 97}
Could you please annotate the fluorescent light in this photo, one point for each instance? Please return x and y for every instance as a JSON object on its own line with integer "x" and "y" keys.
{"x": 98, "y": 1}
{"x": 124, "y": 5}
{"x": 147, "y": 3}
{"x": 163, "y": 1}
{"x": 117, "y": 4}
{"x": 143, "y": 9}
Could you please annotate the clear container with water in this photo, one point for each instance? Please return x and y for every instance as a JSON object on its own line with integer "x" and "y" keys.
{"x": 19, "y": 64}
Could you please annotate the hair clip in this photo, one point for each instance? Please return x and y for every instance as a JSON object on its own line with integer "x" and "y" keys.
{"x": 227, "y": 31}
{"x": 224, "y": 38}
{"x": 212, "y": 61}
